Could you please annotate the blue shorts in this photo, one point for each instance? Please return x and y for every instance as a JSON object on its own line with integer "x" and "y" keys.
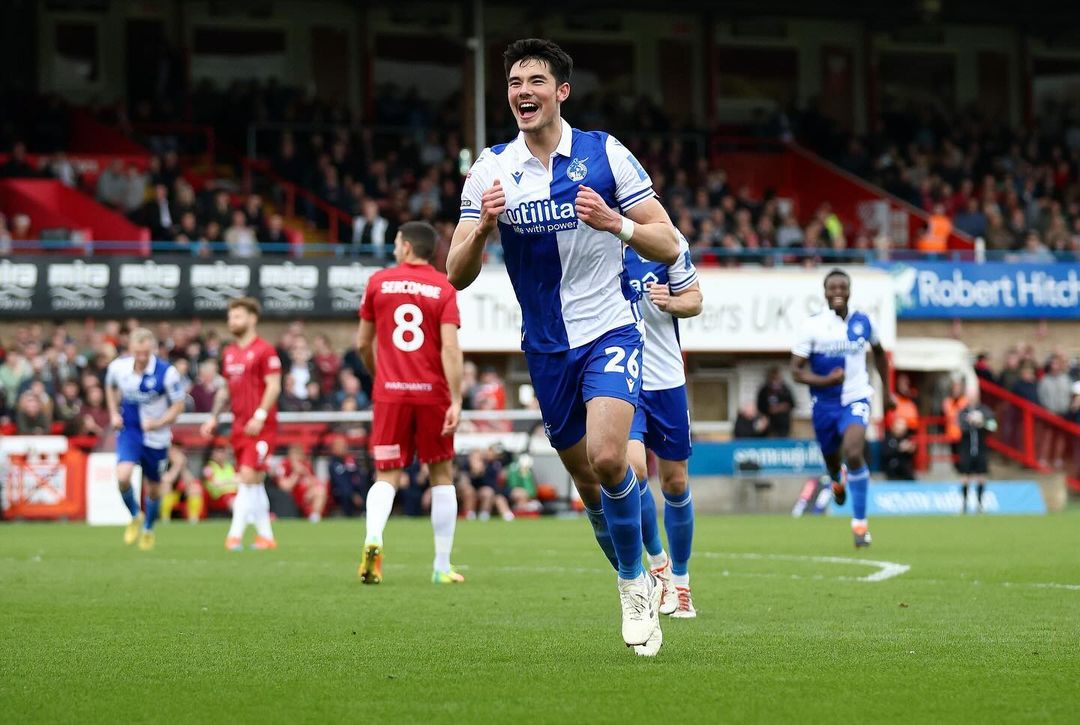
{"x": 152, "y": 461}
{"x": 607, "y": 367}
{"x": 831, "y": 419}
{"x": 662, "y": 423}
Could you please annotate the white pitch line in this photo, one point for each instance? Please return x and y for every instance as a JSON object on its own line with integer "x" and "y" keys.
{"x": 885, "y": 569}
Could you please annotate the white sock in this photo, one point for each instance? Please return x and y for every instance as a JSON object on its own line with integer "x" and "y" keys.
{"x": 260, "y": 510}
{"x": 443, "y": 521}
{"x": 659, "y": 561}
{"x": 239, "y": 513}
{"x": 681, "y": 580}
{"x": 380, "y": 502}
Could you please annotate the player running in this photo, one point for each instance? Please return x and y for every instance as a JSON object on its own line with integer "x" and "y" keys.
{"x": 563, "y": 203}
{"x": 144, "y": 394}
{"x": 830, "y": 357}
{"x": 253, "y": 372}
{"x": 409, "y": 336}
{"x": 662, "y": 420}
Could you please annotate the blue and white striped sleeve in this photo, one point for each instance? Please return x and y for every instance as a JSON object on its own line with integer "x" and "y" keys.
{"x": 632, "y": 183}
{"x": 682, "y": 274}
{"x": 477, "y": 181}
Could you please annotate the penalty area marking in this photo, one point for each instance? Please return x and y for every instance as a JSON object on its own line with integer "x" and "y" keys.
{"x": 885, "y": 569}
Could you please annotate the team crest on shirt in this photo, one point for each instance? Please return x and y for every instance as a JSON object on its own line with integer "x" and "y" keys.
{"x": 577, "y": 169}
{"x": 517, "y": 176}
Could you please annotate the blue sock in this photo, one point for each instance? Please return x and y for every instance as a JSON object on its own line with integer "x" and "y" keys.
{"x": 858, "y": 481}
{"x": 650, "y": 528}
{"x": 153, "y": 505}
{"x": 679, "y": 524}
{"x": 599, "y": 527}
{"x": 129, "y": 500}
{"x": 622, "y": 509}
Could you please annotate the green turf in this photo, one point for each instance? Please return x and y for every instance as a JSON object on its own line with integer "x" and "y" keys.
{"x": 979, "y": 629}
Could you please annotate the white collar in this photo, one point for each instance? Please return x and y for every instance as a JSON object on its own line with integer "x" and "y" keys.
{"x": 566, "y": 142}
{"x": 151, "y": 365}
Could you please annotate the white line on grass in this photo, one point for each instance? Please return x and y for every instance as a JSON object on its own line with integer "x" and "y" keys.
{"x": 885, "y": 569}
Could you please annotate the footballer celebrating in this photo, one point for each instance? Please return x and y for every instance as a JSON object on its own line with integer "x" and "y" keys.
{"x": 408, "y": 336}
{"x": 564, "y": 203}
{"x": 253, "y": 372}
{"x": 662, "y": 420}
{"x": 830, "y": 357}
{"x": 145, "y": 394}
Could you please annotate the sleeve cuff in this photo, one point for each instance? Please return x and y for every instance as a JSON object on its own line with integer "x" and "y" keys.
{"x": 635, "y": 198}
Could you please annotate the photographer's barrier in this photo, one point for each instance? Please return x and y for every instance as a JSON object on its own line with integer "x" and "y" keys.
{"x": 763, "y": 457}
{"x": 909, "y": 498}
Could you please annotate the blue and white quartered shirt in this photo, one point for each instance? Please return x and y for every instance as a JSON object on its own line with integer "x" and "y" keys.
{"x": 828, "y": 341}
{"x": 568, "y": 277}
{"x": 145, "y": 396}
{"x": 662, "y": 367}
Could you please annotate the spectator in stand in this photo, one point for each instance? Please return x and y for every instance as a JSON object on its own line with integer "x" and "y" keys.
{"x": 1055, "y": 394}
{"x": 17, "y": 166}
{"x": 14, "y": 372}
{"x": 206, "y": 386}
{"x": 22, "y": 228}
{"x": 6, "y": 246}
{"x": 31, "y": 416}
{"x": 293, "y": 399}
{"x": 750, "y": 423}
{"x": 906, "y": 407}
{"x": 112, "y": 185}
{"x": 469, "y": 383}
{"x": 157, "y": 215}
{"x": 240, "y": 238}
{"x": 775, "y": 401}
{"x": 370, "y": 229}
{"x": 68, "y": 406}
{"x": 1033, "y": 251}
{"x": 1010, "y": 369}
{"x": 95, "y": 414}
{"x": 1026, "y": 386}
{"x": 898, "y": 454}
{"x": 297, "y": 477}
{"x": 491, "y": 395}
{"x": 351, "y": 391}
{"x": 971, "y": 221}
{"x": 273, "y": 239}
{"x": 349, "y": 478}
{"x": 221, "y": 210}
{"x": 1074, "y": 405}
{"x": 219, "y": 479}
{"x": 327, "y": 364}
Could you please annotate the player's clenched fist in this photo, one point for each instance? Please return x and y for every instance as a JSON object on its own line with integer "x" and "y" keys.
{"x": 660, "y": 295}
{"x": 594, "y": 211}
{"x": 492, "y": 204}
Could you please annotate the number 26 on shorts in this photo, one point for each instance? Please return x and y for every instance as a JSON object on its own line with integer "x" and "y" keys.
{"x": 616, "y": 356}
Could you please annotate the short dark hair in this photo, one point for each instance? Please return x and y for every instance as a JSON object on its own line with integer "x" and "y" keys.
{"x": 837, "y": 272}
{"x": 248, "y": 303}
{"x": 558, "y": 60}
{"x": 421, "y": 236}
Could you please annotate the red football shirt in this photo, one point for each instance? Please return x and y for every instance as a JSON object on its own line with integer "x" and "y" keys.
{"x": 246, "y": 369}
{"x": 408, "y": 303}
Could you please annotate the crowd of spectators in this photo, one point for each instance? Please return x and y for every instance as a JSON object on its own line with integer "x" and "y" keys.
{"x": 1016, "y": 188}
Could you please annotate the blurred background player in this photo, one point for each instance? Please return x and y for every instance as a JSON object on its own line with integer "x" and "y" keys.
{"x": 144, "y": 394}
{"x": 253, "y": 372}
{"x": 977, "y": 421}
{"x": 178, "y": 485}
{"x": 662, "y": 420}
{"x": 830, "y": 357}
{"x": 562, "y": 245}
{"x": 408, "y": 335}
{"x": 297, "y": 477}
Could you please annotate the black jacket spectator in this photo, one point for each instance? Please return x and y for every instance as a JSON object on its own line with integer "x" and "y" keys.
{"x": 348, "y": 479}
{"x": 750, "y": 423}
{"x": 775, "y": 401}
{"x": 898, "y": 453}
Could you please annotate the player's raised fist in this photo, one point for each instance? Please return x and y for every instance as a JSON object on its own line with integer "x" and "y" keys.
{"x": 594, "y": 211}
{"x": 492, "y": 204}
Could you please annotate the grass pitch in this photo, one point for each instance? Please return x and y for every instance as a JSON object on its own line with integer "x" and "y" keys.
{"x": 985, "y": 626}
